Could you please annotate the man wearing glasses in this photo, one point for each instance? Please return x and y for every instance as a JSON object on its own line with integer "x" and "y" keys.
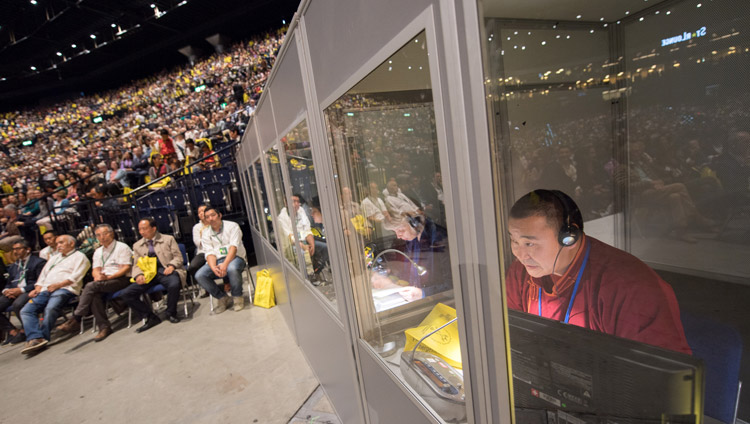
{"x": 22, "y": 276}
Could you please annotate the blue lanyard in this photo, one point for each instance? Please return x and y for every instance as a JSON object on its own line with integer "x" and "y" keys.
{"x": 575, "y": 288}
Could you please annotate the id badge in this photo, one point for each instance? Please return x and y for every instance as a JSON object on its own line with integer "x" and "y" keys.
{"x": 223, "y": 251}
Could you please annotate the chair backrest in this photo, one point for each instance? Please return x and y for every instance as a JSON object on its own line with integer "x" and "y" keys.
{"x": 720, "y": 347}
{"x": 163, "y": 220}
{"x": 183, "y": 250}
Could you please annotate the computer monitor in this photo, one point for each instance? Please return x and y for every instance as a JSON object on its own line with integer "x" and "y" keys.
{"x": 567, "y": 374}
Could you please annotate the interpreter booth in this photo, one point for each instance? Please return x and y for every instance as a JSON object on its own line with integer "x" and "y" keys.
{"x": 392, "y": 139}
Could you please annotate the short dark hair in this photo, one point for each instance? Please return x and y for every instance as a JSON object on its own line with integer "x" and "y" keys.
{"x": 23, "y": 243}
{"x": 151, "y": 221}
{"x": 211, "y": 208}
{"x": 51, "y": 231}
{"x": 549, "y": 204}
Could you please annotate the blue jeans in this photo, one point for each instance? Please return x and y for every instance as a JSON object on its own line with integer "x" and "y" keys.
{"x": 205, "y": 277}
{"x": 52, "y": 304}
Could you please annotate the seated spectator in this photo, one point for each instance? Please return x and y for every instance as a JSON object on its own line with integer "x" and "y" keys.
{"x": 225, "y": 258}
{"x": 158, "y": 168}
{"x": 51, "y": 249}
{"x": 199, "y": 259}
{"x": 60, "y": 280}
{"x": 59, "y": 206}
{"x": 396, "y": 201}
{"x": 192, "y": 152}
{"x": 22, "y": 276}
{"x": 117, "y": 175}
{"x": 112, "y": 263}
{"x": 166, "y": 145}
{"x": 169, "y": 272}
{"x": 11, "y": 234}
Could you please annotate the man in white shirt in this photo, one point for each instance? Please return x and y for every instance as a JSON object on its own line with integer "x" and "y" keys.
{"x": 49, "y": 239}
{"x": 302, "y": 225}
{"x": 397, "y": 201}
{"x": 112, "y": 263}
{"x": 225, "y": 258}
{"x": 373, "y": 207}
{"x": 198, "y": 229}
{"x": 60, "y": 280}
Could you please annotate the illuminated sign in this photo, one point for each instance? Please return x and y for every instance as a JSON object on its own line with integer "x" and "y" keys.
{"x": 97, "y": 119}
{"x": 200, "y": 88}
{"x": 685, "y": 36}
{"x": 27, "y": 143}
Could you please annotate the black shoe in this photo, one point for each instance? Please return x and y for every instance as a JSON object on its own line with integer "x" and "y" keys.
{"x": 174, "y": 319}
{"x": 152, "y": 321}
{"x": 20, "y": 337}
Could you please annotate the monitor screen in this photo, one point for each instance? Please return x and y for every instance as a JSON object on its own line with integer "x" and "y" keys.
{"x": 564, "y": 373}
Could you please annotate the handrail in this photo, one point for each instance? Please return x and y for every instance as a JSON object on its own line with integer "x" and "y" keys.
{"x": 178, "y": 170}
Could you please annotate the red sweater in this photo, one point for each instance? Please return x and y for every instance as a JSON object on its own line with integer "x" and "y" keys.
{"x": 618, "y": 295}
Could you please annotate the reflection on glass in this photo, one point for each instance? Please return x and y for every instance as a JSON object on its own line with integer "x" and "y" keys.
{"x": 265, "y": 212}
{"x": 285, "y": 219}
{"x": 639, "y": 114}
{"x": 384, "y": 142}
{"x": 312, "y": 234}
{"x": 249, "y": 194}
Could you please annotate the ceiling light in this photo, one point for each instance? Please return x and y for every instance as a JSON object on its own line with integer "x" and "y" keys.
{"x": 33, "y": 68}
{"x": 544, "y": 43}
{"x": 592, "y": 31}
{"x": 73, "y": 45}
{"x": 669, "y": 12}
{"x": 93, "y": 36}
{"x": 578, "y": 16}
{"x": 59, "y": 54}
{"x": 640, "y": 19}
{"x": 601, "y": 19}
{"x": 113, "y": 25}
{"x": 699, "y": 5}
{"x": 627, "y": 12}
{"x": 33, "y": 2}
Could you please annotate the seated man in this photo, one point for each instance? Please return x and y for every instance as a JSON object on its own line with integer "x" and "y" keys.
{"x": 200, "y": 257}
{"x": 49, "y": 239}
{"x": 112, "y": 263}
{"x": 225, "y": 258}
{"x": 22, "y": 276}
{"x": 562, "y": 274}
{"x": 169, "y": 272}
{"x": 11, "y": 234}
{"x": 428, "y": 269}
{"x": 60, "y": 280}
{"x": 302, "y": 226}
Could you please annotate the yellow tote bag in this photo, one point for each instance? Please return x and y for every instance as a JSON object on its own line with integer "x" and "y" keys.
{"x": 148, "y": 266}
{"x": 444, "y": 343}
{"x": 264, "y": 296}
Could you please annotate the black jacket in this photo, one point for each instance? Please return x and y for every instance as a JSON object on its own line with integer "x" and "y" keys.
{"x": 33, "y": 269}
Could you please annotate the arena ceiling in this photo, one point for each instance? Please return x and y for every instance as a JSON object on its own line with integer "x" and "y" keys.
{"x": 51, "y": 49}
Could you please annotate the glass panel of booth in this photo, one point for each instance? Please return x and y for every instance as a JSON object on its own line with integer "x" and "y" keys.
{"x": 264, "y": 210}
{"x": 309, "y": 214}
{"x": 278, "y": 197}
{"x": 387, "y": 170}
{"x": 247, "y": 177}
{"x": 623, "y": 153}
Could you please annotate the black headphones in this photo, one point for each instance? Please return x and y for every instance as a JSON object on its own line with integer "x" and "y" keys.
{"x": 569, "y": 232}
{"x": 416, "y": 222}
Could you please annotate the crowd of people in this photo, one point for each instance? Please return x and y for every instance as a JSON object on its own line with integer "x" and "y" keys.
{"x": 690, "y": 162}
{"x": 126, "y": 137}
{"x": 94, "y": 148}
{"x": 47, "y": 283}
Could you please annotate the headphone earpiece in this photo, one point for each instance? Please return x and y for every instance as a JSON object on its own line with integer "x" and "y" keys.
{"x": 569, "y": 232}
{"x": 415, "y": 222}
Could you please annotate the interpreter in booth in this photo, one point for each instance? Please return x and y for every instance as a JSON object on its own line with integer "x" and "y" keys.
{"x": 427, "y": 270}
{"x": 563, "y": 274}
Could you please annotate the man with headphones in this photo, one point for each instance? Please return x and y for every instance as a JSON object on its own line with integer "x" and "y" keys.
{"x": 562, "y": 274}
